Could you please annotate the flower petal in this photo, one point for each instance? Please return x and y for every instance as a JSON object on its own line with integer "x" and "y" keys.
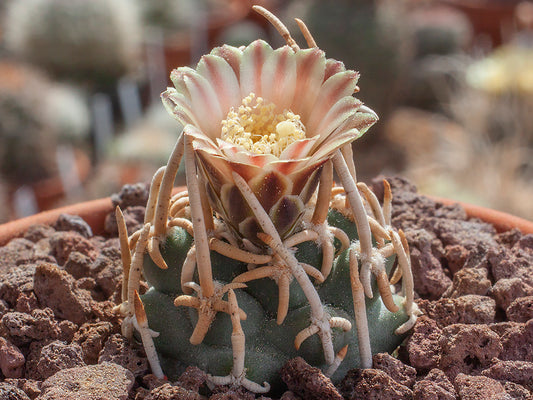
{"x": 333, "y": 67}
{"x": 221, "y": 77}
{"x": 204, "y": 102}
{"x": 253, "y": 58}
{"x": 310, "y": 68}
{"x": 298, "y": 149}
{"x": 336, "y": 115}
{"x": 178, "y": 106}
{"x": 232, "y": 55}
{"x": 278, "y": 77}
{"x": 336, "y": 87}
{"x": 286, "y": 213}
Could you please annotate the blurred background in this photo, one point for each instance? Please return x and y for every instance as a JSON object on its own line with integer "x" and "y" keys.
{"x": 80, "y": 114}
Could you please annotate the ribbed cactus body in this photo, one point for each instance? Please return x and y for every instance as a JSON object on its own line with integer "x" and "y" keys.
{"x": 268, "y": 345}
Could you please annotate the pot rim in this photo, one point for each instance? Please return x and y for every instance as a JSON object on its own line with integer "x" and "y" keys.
{"x": 95, "y": 211}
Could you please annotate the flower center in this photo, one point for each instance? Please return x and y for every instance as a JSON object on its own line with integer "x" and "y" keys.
{"x": 256, "y": 127}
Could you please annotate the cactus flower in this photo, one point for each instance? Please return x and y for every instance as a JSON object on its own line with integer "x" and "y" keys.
{"x": 272, "y": 116}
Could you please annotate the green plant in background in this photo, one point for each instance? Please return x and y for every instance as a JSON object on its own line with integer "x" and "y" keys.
{"x": 263, "y": 258}
{"x": 97, "y": 40}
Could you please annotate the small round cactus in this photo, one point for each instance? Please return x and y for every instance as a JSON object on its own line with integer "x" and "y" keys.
{"x": 263, "y": 258}
{"x": 97, "y": 40}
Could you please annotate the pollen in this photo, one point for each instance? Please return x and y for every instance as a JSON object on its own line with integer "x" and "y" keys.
{"x": 256, "y": 127}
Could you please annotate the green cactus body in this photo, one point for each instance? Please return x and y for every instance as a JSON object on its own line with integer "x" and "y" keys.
{"x": 268, "y": 345}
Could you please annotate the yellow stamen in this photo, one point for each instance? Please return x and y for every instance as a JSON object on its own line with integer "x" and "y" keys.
{"x": 257, "y": 127}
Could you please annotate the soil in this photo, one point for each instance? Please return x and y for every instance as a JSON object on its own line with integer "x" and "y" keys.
{"x": 60, "y": 336}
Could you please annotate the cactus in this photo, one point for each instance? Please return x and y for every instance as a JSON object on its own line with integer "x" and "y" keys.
{"x": 27, "y": 144}
{"x": 97, "y": 40}
{"x": 262, "y": 258}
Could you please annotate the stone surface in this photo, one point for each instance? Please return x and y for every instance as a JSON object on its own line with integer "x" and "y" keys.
{"x": 66, "y": 222}
{"x": 11, "y": 359}
{"x": 91, "y": 337}
{"x": 469, "y": 281}
{"x": 397, "y": 370}
{"x": 517, "y": 342}
{"x": 193, "y": 378}
{"x": 505, "y": 291}
{"x": 479, "y": 387}
{"x": 57, "y": 356}
{"x": 434, "y": 386}
{"x": 22, "y": 328}
{"x": 468, "y": 309}
{"x": 63, "y": 243}
{"x": 105, "y": 381}
{"x": 424, "y": 345}
{"x": 372, "y": 384}
{"x": 520, "y": 372}
{"x": 119, "y": 350}
{"x": 172, "y": 392}
{"x": 55, "y": 288}
{"x": 10, "y": 392}
{"x": 467, "y": 348}
{"x": 308, "y": 382}
{"x": 521, "y": 309}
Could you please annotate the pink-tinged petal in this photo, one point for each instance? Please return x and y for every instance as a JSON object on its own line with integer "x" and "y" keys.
{"x": 258, "y": 160}
{"x": 287, "y": 167}
{"x": 204, "y": 103}
{"x": 247, "y": 171}
{"x": 298, "y": 149}
{"x": 253, "y": 58}
{"x": 341, "y": 111}
{"x": 310, "y": 67}
{"x": 249, "y": 228}
{"x": 269, "y": 187}
{"x": 178, "y": 106}
{"x": 335, "y": 88}
{"x": 176, "y": 77}
{"x": 286, "y": 213}
{"x": 364, "y": 119}
{"x": 333, "y": 67}
{"x": 200, "y": 140}
{"x": 222, "y": 78}
{"x": 311, "y": 184}
{"x": 278, "y": 77}
{"x": 232, "y": 55}
{"x": 335, "y": 140}
{"x": 228, "y": 149}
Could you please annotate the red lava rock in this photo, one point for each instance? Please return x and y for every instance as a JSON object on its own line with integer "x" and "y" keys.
{"x": 288, "y": 395}
{"x": 517, "y": 342}
{"x": 35, "y": 233}
{"x": 119, "y": 350}
{"x": 371, "y": 384}
{"x": 468, "y": 309}
{"x": 66, "y": 222}
{"x": 397, "y": 370}
{"x": 78, "y": 265}
{"x": 507, "y": 264}
{"x": 23, "y": 328}
{"x": 10, "y": 392}
{"x": 57, "y": 356}
{"x": 516, "y": 391}
{"x": 479, "y": 387}
{"x": 505, "y": 291}
{"x": 11, "y": 359}
{"x": 424, "y": 345}
{"x": 171, "y": 392}
{"x": 520, "y": 372}
{"x": 12, "y": 253}
{"x": 308, "y": 382}
{"x": 469, "y": 281}
{"x": 91, "y": 337}
{"x": 63, "y": 243}
{"x": 67, "y": 330}
{"x": 109, "y": 277}
{"x": 192, "y": 379}
{"x": 26, "y": 302}
{"x": 57, "y": 289}
{"x": 434, "y": 386}
{"x": 457, "y": 256}
{"x": 15, "y": 282}
{"x": 429, "y": 277}
{"x": 105, "y": 381}
{"x": 230, "y": 393}
{"x": 31, "y": 387}
{"x": 467, "y": 348}
{"x": 520, "y": 310}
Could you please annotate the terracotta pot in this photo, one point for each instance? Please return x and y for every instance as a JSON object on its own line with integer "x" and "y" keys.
{"x": 95, "y": 211}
